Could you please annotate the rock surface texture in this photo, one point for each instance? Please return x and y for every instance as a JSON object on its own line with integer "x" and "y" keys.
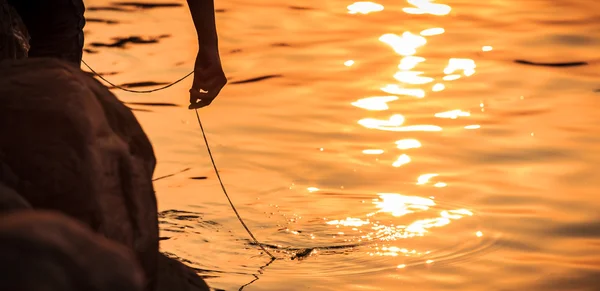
{"x": 68, "y": 144}
{"x": 46, "y": 251}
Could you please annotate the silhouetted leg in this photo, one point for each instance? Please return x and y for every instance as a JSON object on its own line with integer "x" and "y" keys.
{"x": 55, "y": 27}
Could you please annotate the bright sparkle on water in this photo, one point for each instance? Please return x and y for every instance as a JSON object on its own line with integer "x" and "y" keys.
{"x": 364, "y": 7}
{"x": 399, "y": 206}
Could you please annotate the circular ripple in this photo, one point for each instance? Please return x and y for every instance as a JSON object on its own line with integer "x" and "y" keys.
{"x": 394, "y": 231}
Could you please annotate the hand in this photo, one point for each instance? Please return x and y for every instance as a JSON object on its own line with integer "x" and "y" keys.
{"x": 209, "y": 79}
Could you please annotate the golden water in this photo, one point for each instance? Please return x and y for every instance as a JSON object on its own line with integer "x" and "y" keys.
{"x": 401, "y": 141}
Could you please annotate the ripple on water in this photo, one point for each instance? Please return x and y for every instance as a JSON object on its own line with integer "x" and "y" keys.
{"x": 400, "y": 232}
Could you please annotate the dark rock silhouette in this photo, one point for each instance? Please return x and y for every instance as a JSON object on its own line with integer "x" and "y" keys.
{"x": 70, "y": 145}
{"x": 77, "y": 205}
{"x": 173, "y": 275}
{"x": 47, "y": 251}
{"x": 11, "y": 201}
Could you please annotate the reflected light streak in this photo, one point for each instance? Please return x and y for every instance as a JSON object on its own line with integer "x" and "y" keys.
{"x": 400, "y": 205}
{"x": 427, "y": 7}
{"x": 438, "y": 87}
{"x": 432, "y": 31}
{"x": 424, "y": 179}
{"x": 395, "y": 89}
{"x": 364, "y": 7}
{"x": 372, "y": 152}
{"x": 395, "y": 120}
{"x": 486, "y": 48}
{"x": 395, "y": 124}
{"x": 409, "y": 62}
{"x": 312, "y": 189}
{"x": 376, "y": 103}
{"x": 474, "y": 126}
{"x": 451, "y": 77}
{"x": 412, "y": 77}
{"x": 349, "y": 221}
{"x": 452, "y": 114}
{"x": 420, "y": 226}
{"x": 406, "y": 144}
{"x": 402, "y": 160}
{"x": 466, "y": 65}
{"x": 348, "y": 63}
{"x": 405, "y": 45}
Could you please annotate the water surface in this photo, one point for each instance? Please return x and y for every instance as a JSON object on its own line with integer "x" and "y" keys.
{"x": 397, "y": 145}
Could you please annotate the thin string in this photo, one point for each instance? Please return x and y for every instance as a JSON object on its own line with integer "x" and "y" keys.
{"x": 225, "y": 191}
{"x": 136, "y": 91}
{"x": 207, "y": 148}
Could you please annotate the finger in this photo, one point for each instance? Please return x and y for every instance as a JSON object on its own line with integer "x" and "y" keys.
{"x": 200, "y": 100}
{"x": 204, "y": 102}
{"x": 195, "y": 106}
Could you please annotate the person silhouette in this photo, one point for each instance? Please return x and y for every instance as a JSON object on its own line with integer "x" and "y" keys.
{"x": 56, "y": 27}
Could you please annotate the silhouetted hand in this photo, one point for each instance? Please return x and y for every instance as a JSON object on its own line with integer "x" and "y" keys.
{"x": 209, "y": 78}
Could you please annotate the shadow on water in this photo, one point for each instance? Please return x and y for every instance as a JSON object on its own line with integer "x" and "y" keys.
{"x": 99, "y": 20}
{"x": 140, "y": 110}
{"x": 171, "y": 175}
{"x": 160, "y": 104}
{"x": 300, "y": 8}
{"x": 141, "y": 84}
{"x": 567, "y": 64}
{"x": 132, "y": 6}
{"x": 121, "y": 42}
{"x": 142, "y": 5}
{"x": 257, "y": 79}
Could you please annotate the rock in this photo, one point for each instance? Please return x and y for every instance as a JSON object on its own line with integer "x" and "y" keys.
{"x": 47, "y": 251}
{"x": 69, "y": 145}
{"x": 173, "y": 275}
{"x": 11, "y": 201}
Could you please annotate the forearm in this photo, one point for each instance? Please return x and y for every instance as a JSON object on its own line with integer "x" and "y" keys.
{"x": 203, "y": 14}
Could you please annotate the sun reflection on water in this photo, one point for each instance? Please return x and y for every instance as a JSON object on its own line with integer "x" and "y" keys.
{"x": 412, "y": 77}
{"x": 410, "y": 143}
{"x": 402, "y": 160}
{"x": 427, "y": 7}
{"x": 452, "y": 114}
{"x": 432, "y": 31}
{"x": 373, "y": 151}
{"x": 375, "y": 103}
{"x": 364, "y": 7}
{"x": 405, "y": 45}
{"x": 394, "y": 123}
{"x": 409, "y": 62}
{"x": 400, "y": 207}
{"x": 398, "y": 216}
{"x": 395, "y": 89}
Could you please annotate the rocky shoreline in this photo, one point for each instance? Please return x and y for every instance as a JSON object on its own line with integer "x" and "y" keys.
{"x": 76, "y": 190}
